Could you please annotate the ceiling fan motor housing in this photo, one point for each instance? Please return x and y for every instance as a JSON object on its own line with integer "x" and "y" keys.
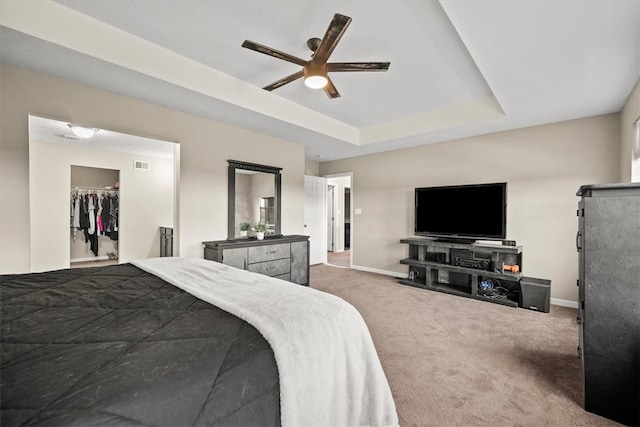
{"x": 314, "y": 70}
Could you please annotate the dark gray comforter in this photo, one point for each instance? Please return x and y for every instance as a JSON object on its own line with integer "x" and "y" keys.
{"x": 117, "y": 346}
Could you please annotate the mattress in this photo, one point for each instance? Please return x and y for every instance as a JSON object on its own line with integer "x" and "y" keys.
{"x": 117, "y": 346}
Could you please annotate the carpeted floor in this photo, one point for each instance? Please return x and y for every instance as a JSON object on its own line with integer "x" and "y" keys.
{"x": 454, "y": 361}
{"x": 339, "y": 259}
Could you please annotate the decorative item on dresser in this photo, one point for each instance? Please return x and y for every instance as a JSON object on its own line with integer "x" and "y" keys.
{"x": 285, "y": 257}
{"x": 608, "y": 244}
{"x": 260, "y": 228}
{"x": 244, "y": 228}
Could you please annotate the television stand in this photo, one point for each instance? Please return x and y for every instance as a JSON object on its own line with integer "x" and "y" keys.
{"x": 446, "y": 266}
{"x": 455, "y": 240}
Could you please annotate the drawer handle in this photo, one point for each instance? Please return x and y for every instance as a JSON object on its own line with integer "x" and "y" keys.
{"x": 270, "y": 252}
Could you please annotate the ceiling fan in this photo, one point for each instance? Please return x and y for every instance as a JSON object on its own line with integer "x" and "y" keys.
{"x": 315, "y": 71}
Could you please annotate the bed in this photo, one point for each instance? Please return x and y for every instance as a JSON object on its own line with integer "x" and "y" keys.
{"x": 182, "y": 342}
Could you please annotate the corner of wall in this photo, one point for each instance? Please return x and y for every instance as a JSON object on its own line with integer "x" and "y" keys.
{"x": 311, "y": 168}
{"x": 628, "y": 115}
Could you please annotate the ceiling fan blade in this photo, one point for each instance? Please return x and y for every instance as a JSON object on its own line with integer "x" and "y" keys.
{"x": 284, "y": 81}
{"x": 334, "y": 33}
{"x": 357, "y": 66}
{"x": 331, "y": 90}
{"x": 273, "y": 52}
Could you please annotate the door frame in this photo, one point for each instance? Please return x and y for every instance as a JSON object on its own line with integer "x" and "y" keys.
{"x": 331, "y": 218}
{"x": 352, "y": 246}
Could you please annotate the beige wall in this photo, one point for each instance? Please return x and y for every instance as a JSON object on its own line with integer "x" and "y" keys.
{"x": 629, "y": 166}
{"x": 543, "y": 166}
{"x": 312, "y": 168}
{"x": 205, "y": 146}
{"x": 145, "y": 202}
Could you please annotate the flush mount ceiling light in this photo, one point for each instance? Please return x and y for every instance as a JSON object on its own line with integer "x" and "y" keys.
{"x": 82, "y": 131}
{"x": 315, "y": 71}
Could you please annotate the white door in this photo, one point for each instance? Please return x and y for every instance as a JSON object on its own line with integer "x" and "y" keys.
{"x": 330, "y": 217}
{"x": 315, "y": 220}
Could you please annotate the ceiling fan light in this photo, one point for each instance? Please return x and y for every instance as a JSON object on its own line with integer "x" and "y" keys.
{"x": 82, "y": 131}
{"x": 315, "y": 82}
{"x": 315, "y": 75}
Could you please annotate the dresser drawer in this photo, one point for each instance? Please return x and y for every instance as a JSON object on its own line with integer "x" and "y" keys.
{"x": 269, "y": 252}
{"x": 271, "y": 268}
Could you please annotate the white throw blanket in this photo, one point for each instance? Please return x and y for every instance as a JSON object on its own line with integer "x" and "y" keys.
{"x": 330, "y": 374}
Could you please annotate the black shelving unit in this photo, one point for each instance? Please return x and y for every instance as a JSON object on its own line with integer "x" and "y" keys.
{"x": 432, "y": 267}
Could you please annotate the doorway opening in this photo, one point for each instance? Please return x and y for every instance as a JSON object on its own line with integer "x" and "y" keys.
{"x": 141, "y": 175}
{"x": 339, "y": 231}
{"x": 94, "y": 216}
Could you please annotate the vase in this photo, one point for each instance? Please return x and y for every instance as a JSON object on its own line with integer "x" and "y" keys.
{"x": 259, "y": 235}
{"x": 243, "y": 233}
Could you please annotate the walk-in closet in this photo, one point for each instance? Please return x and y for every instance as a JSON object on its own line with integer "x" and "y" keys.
{"x": 94, "y": 216}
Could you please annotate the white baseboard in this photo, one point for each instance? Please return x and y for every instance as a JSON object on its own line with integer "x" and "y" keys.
{"x": 564, "y": 303}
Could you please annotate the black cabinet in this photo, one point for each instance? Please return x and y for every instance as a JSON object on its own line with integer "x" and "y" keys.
{"x": 608, "y": 244}
{"x": 166, "y": 241}
{"x": 283, "y": 257}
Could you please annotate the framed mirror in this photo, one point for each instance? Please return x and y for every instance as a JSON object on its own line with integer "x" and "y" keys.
{"x": 254, "y": 195}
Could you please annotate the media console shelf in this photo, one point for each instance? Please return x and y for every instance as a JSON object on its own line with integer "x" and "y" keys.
{"x": 432, "y": 265}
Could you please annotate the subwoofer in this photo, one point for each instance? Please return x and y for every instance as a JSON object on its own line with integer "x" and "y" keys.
{"x": 535, "y": 294}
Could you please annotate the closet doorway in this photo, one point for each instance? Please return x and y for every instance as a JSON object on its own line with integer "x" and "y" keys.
{"x": 147, "y": 175}
{"x": 94, "y": 207}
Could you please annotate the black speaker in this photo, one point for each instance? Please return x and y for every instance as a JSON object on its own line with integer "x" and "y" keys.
{"x": 535, "y": 294}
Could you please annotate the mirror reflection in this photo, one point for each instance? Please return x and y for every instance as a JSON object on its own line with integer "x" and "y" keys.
{"x": 254, "y": 197}
{"x": 255, "y": 200}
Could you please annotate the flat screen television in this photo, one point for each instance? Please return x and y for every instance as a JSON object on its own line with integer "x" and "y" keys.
{"x": 462, "y": 212}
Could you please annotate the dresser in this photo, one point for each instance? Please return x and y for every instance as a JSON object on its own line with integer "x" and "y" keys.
{"x": 608, "y": 244}
{"x": 284, "y": 257}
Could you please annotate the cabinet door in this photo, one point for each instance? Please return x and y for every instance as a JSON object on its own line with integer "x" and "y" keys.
{"x": 611, "y": 249}
{"x": 300, "y": 262}
{"x": 235, "y": 257}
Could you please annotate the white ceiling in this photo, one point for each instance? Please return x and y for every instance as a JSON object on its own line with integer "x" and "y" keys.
{"x": 458, "y": 67}
{"x": 55, "y": 131}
